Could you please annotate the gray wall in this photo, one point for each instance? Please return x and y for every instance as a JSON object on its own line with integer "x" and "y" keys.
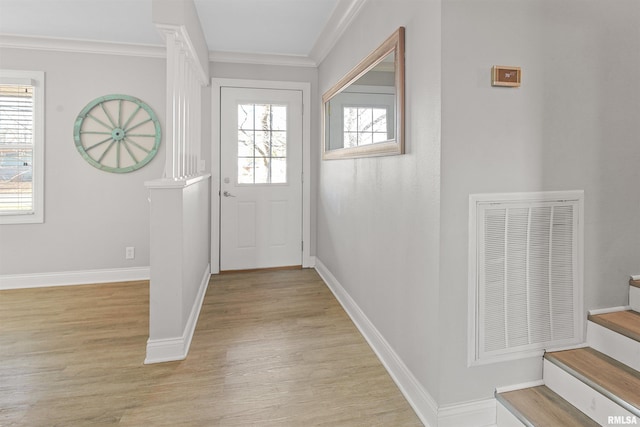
{"x": 90, "y": 215}
{"x": 573, "y": 124}
{"x": 378, "y": 217}
{"x": 393, "y": 230}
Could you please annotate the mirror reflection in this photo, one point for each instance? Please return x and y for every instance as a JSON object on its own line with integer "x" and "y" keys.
{"x": 363, "y": 112}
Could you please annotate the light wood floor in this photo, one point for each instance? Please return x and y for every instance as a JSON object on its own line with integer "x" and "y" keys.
{"x": 270, "y": 349}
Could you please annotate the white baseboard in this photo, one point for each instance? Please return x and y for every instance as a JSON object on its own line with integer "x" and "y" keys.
{"x": 309, "y": 262}
{"x": 481, "y": 413}
{"x": 174, "y": 349}
{"x": 608, "y": 310}
{"x": 521, "y": 386}
{"x": 67, "y": 278}
{"x": 165, "y": 350}
{"x": 419, "y": 399}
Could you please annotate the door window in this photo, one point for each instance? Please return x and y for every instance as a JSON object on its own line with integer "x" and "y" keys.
{"x": 262, "y": 144}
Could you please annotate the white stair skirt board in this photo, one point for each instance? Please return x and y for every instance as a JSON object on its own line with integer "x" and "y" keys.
{"x": 68, "y": 278}
{"x": 588, "y": 400}
{"x": 504, "y": 417}
{"x": 173, "y": 349}
{"x": 613, "y": 344}
{"x": 634, "y": 298}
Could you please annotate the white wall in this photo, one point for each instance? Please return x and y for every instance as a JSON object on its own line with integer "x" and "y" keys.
{"x": 90, "y": 215}
{"x": 378, "y": 217}
{"x": 573, "y": 124}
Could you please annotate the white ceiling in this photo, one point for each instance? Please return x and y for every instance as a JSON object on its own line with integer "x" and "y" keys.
{"x": 280, "y": 27}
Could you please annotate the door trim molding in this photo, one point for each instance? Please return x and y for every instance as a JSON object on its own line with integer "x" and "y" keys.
{"x": 305, "y": 87}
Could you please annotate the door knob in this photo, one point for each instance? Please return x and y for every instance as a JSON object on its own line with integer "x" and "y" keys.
{"x": 227, "y": 194}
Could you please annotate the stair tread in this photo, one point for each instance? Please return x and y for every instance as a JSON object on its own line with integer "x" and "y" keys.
{"x": 635, "y": 283}
{"x": 626, "y": 323}
{"x": 541, "y": 406}
{"x": 615, "y": 378}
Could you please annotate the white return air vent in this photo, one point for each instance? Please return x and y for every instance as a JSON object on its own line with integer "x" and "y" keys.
{"x": 525, "y": 274}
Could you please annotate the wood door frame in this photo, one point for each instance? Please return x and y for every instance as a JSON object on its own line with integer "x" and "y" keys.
{"x": 216, "y": 86}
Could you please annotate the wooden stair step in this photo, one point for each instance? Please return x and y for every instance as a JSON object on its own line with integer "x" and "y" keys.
{"x": 626, "y": 323}
{"x": 611, "y": 378}
{"x": 635, "y": 283}
{"x": 541, "y": 406}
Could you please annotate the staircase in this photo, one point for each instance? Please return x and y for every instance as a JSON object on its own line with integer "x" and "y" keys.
{"x": 596, "y": 385}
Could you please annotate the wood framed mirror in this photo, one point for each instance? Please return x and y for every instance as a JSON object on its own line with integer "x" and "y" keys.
{"x": 363, "y": 114}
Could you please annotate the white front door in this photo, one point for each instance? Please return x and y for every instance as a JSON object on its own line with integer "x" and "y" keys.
{"x": 261, "y": 178}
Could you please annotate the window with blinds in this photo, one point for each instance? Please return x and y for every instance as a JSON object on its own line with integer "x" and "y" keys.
{"x": 526, "y": 281}
{"x": 21, "y": 146}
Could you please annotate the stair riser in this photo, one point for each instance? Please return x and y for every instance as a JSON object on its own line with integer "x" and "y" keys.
{"x": 614, "y": 345}
{"x": 634, "y": 298}
{"x": 598, "y": 407}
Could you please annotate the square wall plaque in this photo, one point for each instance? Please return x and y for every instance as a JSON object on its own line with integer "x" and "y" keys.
{"x": 505, "y": 76}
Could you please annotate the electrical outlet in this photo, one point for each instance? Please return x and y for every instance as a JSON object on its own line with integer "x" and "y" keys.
{"x": 130, "y": 252}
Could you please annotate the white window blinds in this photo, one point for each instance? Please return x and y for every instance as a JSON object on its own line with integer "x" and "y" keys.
{"x": 16, "y": 148}
{"x": 21, "y": 146}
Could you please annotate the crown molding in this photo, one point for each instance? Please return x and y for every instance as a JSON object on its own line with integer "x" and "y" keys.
{"x": 262, "y": 59}
{"x": 343, "y": 14}
{"x": 141, "y": 50}
{"x": 57, "y": 44}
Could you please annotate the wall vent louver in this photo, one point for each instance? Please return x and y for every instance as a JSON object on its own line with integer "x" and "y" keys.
{"x": 525, "y": 274}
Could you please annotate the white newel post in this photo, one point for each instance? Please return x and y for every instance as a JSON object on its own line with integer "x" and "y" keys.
{"x": 179, "y": 214}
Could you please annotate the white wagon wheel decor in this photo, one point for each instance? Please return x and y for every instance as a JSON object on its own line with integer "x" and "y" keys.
{"x": 117, "y": 133}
